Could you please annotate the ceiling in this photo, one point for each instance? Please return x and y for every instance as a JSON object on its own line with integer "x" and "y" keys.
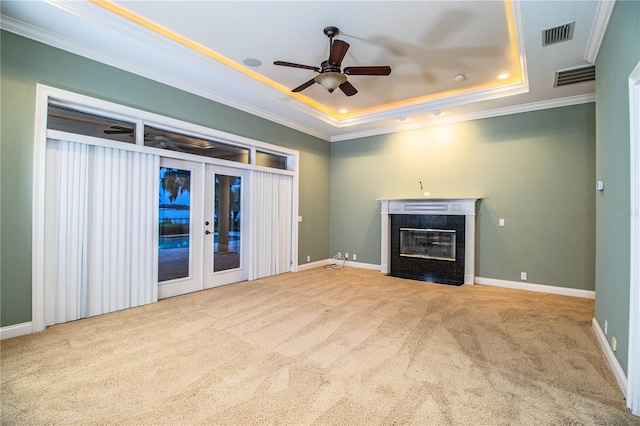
{"x": 203, "y": 47}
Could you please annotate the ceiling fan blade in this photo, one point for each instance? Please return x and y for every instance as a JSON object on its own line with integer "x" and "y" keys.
{"x": 118, "y": 130}
{"x": 304, "y": 86}
{"x": 382, "y": 70}
{"x": 291, "y": 64}
{"x": 348, "y": 88}
{"x": 338, "y": 50}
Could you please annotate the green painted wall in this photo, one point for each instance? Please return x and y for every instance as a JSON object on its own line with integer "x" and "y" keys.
{"x": 535, "y": 170}
{"x": 25, "y": 63}
{"x": 618, "y": 56}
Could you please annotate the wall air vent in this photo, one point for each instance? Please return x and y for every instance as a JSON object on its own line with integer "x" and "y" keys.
{"x": 575, "y": 75}
{"x": 557, "y": 34}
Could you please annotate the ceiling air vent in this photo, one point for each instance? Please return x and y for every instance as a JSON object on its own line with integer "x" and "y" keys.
{"x": 557, "y": 34}
{"x": 575, "y": 75}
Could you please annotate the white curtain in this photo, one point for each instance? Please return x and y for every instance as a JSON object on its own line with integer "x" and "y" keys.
{"x": 65, "y": 235}
{"x": 100, "y": 249}
{"x": 271, "y": 224}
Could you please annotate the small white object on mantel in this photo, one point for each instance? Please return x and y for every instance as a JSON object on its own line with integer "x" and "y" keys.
{"x": 432, "y": 206}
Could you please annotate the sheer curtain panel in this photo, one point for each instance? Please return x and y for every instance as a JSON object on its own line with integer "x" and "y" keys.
{"x": 100, "y": 230}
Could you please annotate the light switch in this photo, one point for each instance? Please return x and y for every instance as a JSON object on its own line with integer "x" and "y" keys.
{"x": 500, "y": 222}
{"x": 299, "y": 218}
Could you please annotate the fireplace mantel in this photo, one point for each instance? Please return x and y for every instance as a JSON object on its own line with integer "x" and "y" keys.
{"x": 431, "y": 206}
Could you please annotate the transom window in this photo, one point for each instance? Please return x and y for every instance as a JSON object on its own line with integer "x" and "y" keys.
{"x": 71, "y": 120}
{"x": 82, "y": 123}
{"x": 158, "y": 138}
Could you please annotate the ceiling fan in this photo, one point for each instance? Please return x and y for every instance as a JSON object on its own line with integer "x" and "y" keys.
{"x": 329, "y": 75}
{"x": 156, "y": 141}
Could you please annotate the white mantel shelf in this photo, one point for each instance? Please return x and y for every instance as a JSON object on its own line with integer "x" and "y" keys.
{"x": 432, "y": 206}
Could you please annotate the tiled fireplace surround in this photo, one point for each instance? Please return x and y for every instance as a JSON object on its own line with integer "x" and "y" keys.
{"x": 430, "y": 206}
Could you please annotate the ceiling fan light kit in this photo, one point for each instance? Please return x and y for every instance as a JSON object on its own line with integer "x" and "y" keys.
{"x": 330, "y": 75}
{"x": 330, "y": 80}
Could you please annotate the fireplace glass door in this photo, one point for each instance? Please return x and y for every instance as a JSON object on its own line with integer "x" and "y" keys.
{"x": 437, "y": 244}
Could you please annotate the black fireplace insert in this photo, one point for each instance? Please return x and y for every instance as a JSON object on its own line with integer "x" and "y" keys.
{"x": 428, "y": 248}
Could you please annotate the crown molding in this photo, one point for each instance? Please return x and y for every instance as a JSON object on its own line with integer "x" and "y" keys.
{"x": 444, "y": 102}
{"x": 119, "y": 25}
{"x": 519, "y": 29}
{"x": 496, "y": 112}
{"x": 289, "y": 111}
{"x": 603, "y": 15}
{"x": 72, "y": 46}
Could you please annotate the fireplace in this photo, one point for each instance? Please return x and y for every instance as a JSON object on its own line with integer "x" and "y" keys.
{"x": 429, "y": 240}
{"x": 428, "y": 247}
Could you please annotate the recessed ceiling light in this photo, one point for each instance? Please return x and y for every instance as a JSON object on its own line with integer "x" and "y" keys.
{"x": 503, "y": 76}
{"x": 437, "y": 112}
{"x": 343, "y": 111}
{"x": 402, "y": 118}
{"x": 460, "y": 77}
{"x": 252, "y": 62}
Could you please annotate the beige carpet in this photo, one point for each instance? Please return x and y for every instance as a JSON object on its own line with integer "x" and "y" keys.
{"x": 323, "y": 346}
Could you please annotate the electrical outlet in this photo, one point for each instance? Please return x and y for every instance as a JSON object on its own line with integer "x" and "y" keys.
{"x": 523, "y": 276}
{"x": 354, "y": 256}
{"x": 500, "y": 222}
{"x": 346, "y": 255}
{"x": 308, "y": 258}
{"x": 606, "y": 326}
{"x": 339, "y": 255}
{"x": 614, "y": 344}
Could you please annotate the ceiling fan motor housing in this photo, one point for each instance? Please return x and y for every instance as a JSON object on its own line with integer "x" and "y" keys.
{"x": 331, "y": 31}
{"x": 327, "y": 67}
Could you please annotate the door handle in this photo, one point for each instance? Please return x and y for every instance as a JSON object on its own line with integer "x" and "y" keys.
{"x": 207, "y": 232}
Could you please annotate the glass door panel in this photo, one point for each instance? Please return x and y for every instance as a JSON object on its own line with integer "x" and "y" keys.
{"x": 174, "y": 219}
{"x": 180, "y": 230}
{"x": 225, "y": 239}
{"x": 227, "y": 216}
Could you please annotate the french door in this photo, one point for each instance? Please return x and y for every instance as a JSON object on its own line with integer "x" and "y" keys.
{"x": 225, "y": 234}
{"x": 202, "y": 238}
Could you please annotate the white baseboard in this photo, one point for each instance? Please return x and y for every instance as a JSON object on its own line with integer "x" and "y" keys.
{"x": 16, "y": 330}
{"x": 563, "y": 291}
{"x": 540, "y": 288}
{"x": 312, "y": 265}
{"x": 324, "y": 262}
{"x": 363, "y": 265}
{"x": 611, "y": 358}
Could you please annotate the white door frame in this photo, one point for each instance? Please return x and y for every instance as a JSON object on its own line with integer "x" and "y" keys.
{"x": 201, "y": 254}
{"x": 633, "y": 367}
